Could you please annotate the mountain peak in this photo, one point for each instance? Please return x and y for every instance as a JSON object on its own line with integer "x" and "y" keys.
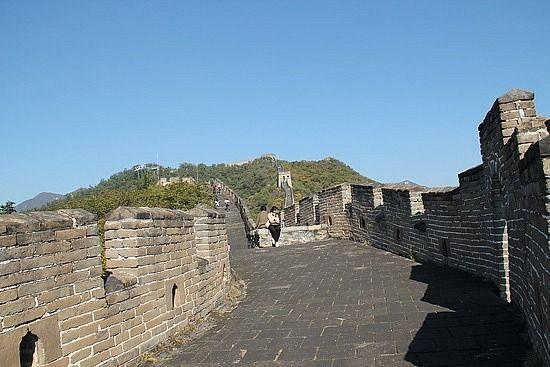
{"x": 38, "y": 201}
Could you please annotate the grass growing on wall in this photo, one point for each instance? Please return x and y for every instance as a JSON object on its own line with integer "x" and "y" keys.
{"x": 100, "y": 201}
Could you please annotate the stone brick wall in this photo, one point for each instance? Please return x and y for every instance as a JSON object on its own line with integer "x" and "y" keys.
{"x": 309, "y": 211}
{"x": 50, "y": 285}
{"x": 530, "y": 250}
{"x": 453, "y": 227}
{"x": 514, "y": 148}
{"x": 334, "y": 209}
{"x": 495, "y": 224}
{"x": 291, "y": 214}
{"x": 53, "y": 300}
{"x": 213, "y": 254}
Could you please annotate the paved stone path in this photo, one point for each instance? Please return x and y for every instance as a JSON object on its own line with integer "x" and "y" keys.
{"x": 338, "y": 303}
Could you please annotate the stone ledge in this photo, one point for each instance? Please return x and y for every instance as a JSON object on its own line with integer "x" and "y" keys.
{"x": 335, "y": 187}
{"x": 515, "y": 95}
{"x": 441, "y": 196}
{"x": 119, "y": 281}
{"x": 41, "y": 221}
{"x": 205, "y": 211}
{"x": 80, "y": 216}
{"x": 126, "y": 212}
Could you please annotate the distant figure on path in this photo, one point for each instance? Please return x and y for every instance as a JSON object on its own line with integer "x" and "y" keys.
{"x": 261, "y": 222}
{"x": 217, "y": 204}
{"x": 274, "y": 225}
{"x": 227, "y": 202}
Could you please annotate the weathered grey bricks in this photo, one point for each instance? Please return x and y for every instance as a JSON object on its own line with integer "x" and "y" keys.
{"x": 495, "y": 224}
{"x": 309, "y": 211}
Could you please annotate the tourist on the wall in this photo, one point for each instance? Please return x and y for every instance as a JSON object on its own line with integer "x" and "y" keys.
{"x": 261, "y": 221}
{"x": 227, "y": 202}
{"x": 274, "y": 225}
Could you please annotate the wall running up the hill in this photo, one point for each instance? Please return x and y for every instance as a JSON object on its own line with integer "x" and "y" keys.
{"x": 495, "y": 224}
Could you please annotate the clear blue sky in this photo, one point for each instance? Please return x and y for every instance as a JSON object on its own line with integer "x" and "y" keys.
{"x": 395, "y": 89}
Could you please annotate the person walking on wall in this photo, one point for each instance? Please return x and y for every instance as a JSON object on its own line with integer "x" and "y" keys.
{"x": 261, "y": 222}
{"x": 274, "y": 225}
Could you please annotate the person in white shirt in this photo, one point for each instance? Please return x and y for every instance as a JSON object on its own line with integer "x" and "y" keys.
{"x": 274, "y": 225}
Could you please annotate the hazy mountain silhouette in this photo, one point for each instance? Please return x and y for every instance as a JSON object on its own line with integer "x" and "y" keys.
{"x": 38, "y": 201}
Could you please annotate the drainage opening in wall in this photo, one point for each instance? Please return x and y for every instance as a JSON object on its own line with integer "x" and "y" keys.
{"x": 175, "y": 296}
{"x": 397, "y": 234}
{"x": 444, "y": 247}
{"x": 28, "y": 351}
{"x": 329, "y": 220}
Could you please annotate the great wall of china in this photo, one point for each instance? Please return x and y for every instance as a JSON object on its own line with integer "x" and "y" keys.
{"x": 495, "y": 224}
{"x": 169, "y": 267}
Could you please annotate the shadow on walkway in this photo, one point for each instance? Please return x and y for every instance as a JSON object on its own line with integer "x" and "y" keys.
{"x": 469, "y": 325}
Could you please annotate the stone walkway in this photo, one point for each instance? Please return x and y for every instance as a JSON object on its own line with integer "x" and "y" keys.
{"x": 338, "y": 303}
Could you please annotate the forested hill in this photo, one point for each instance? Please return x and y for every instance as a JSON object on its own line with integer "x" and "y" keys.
{"x": 132, "y": 188}
{"x": 255, "y": 181}
{"x": 309, "y": 177}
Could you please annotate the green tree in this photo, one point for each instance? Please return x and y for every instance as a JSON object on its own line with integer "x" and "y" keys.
{"x": 7, "y": 208}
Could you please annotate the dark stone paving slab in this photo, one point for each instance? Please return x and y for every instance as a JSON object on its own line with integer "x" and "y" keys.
{"x": 337, "y": 303}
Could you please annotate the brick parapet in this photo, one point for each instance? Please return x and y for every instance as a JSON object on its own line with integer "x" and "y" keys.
{"x": 309, "y": 211}
{"x": 291, "y": 214}
{"x": 51, "y": 284}
{"x": 334, "y": 209}
{"x": 495, "y": 224}
{"x": 529, "y": 245}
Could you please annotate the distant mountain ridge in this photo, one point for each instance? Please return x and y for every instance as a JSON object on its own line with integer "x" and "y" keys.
{"x": 413, "y": 186}
{"x": 405, "y": 185}
{"x": 38, "y": 202}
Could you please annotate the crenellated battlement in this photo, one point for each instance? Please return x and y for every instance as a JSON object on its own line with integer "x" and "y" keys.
{"x": 495, "y": 224}
{"x": 165, "y": 269}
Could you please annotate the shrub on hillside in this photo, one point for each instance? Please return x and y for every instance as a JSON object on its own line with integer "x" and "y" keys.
{"x": 175, "y": 196}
